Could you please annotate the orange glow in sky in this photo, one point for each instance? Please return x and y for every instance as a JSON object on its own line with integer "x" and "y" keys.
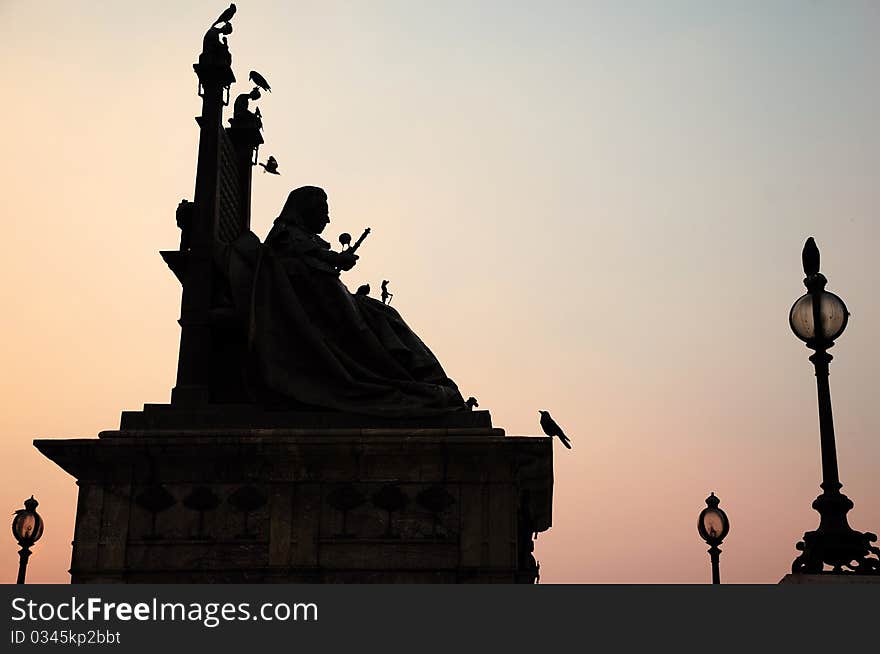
{"x": 582, "y": 207}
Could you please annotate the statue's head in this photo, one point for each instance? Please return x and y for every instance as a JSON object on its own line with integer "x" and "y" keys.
{"x": 226, "y": 29}
{"x": 307, "y": 206}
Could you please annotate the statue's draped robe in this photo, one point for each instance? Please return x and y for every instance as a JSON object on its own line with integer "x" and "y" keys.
{"x": 312, "y": 341}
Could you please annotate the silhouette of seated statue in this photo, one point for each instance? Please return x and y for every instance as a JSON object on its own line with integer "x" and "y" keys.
{"x": 310, "y": 340}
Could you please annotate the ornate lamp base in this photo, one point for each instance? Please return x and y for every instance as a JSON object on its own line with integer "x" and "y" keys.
{"x": 835, "y": 543}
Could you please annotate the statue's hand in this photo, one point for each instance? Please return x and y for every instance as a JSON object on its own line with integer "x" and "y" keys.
{"x": 346, "y": 260}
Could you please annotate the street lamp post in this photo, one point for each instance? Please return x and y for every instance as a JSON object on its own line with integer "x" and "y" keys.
{"x": 817, "y": 318}
{"x": 713, "y": 526}
{"x": 27, "y": 527}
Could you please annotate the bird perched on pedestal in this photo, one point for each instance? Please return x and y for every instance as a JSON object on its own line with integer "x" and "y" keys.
{"x": 810, "y": 257}
{"x": 226, "y": 16}
{"x": 271, "y": 166}
{"x": 259, "y": 80}
{"x": 548, "y": 424}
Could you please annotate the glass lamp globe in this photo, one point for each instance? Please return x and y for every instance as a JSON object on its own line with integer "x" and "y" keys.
{"x": 713, "y": 524}
{"x": 27, "y": 526}
{"x": 833, "y": 317}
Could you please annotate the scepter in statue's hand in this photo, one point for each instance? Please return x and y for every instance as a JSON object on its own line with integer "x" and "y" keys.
{"x": 348, "y": 255}
{"x": 360, "y": 240}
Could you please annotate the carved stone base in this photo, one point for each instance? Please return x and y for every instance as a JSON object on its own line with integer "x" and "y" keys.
{"x": 306, "y": 505}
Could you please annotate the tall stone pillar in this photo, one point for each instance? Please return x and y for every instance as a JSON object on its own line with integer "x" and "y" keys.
{"x": 196, "y": 266}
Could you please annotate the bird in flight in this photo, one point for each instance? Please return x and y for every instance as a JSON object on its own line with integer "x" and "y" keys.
{"x": 548, "y": 424}
{"x": 271, "y": 166}
{"x": 259, "y": 80}
{"x": 810, "y": 257}
{"x": 226, "y": 16}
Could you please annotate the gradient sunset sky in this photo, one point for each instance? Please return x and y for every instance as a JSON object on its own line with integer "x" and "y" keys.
{"x": 595, "y": 208}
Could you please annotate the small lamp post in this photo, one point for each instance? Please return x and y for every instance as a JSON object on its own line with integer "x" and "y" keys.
{"x": 27, "y": 527}
{"x": 713, "y": 526}
{"x": 817, "y": 318}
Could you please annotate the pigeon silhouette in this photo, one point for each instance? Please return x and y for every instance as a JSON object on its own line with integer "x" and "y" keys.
{"x": 548, "y": 424}
{"x": 271, "y": 166}
{"x": 259, "y": 80}
{"x": 226, "y": 16}
{"x": 810, "y": 257}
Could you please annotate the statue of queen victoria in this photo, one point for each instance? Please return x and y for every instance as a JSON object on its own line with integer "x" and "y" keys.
{"x": 310, "y": 341}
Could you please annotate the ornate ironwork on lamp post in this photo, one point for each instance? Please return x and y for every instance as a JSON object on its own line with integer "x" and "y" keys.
{"x": 713, "y": 526}
{"x": 27, "y": 527}
{"x": 817, "y": 318}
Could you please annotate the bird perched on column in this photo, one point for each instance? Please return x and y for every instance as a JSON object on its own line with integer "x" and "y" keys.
{"x": 548, "y": 424}
{"x": 226, "y": 16}
{"x": 271, "y": 166}
{"x": 259, "y": 80}
{"x": 810, "y": 257}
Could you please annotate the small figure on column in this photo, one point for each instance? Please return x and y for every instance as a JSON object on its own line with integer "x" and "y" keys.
{"x": 184, "y": 216}
{"x": 242, "y": 116}
{"x": 215, "y": 48}
{"x": 386, "y": 296}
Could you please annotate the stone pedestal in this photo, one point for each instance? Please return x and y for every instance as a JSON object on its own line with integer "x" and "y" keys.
{"x": 306, "y": 505}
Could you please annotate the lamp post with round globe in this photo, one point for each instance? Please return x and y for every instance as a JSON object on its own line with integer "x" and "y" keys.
{"x": 713, "y": 526}
{"x": 27, "y": 527}
{"x": 818, "y": 318}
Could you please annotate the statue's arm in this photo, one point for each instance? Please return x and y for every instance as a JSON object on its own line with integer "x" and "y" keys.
{"x": 341, "y": 260}
{"x": 292, "y": 243}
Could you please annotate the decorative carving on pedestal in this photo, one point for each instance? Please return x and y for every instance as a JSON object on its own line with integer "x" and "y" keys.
{"x": 527, "y": 566}
{"x": 345, "y": 498}
{"x": 435, "y": 499}
{"x": 155, "y": 499}
{"x": 201, "y": 499}
{"x": 391, "y": 499}
{"x": 247, "y": 499}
